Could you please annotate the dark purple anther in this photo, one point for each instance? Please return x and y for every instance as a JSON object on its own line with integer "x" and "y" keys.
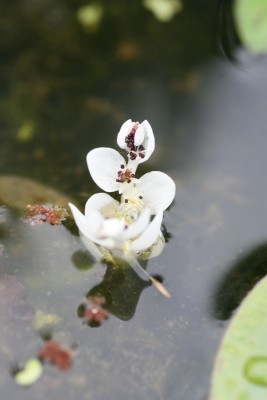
{"x": 133, "y": 156}
{"x": 129, "y": 140}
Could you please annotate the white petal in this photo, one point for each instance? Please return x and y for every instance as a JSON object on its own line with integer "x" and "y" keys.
{"x": 112, "y": 227}
{"x": 88, "y": 226}
{"x": 156, "y": 248}
{"x": 124, "y": 131}
{"x": 104, "y": 230}
{"x": 91, "y": 247}
{"x": 139, "y": 135}
{"x": 95, "y": 221}
{"x": 138, "y": 226}
{"x": 101, "y": 202}
{"x": 158, "y": 190}
{"x": 104, "y": 164}
{"x": 149, "y": 142}
{"x": 149, "y": 236}
{"x": 81, "y": 222}
{"x": 133, "y": 164}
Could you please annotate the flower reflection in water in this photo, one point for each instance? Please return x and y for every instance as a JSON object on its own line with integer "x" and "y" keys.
{"x": 118, "y": 294}
{"x": 92, "y": 311}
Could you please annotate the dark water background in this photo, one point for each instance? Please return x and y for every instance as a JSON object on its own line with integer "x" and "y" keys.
{"x": 70, "y": 89}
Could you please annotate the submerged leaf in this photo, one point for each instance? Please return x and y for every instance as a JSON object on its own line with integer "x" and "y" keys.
{"x": 163, "y": 10}
{"x": 90, "y": 15}
{"x": 240, "y": 370}
{"x": 251, "y": 24}
{"x": 16, "y": 192}
{"x": 26, "y": 131}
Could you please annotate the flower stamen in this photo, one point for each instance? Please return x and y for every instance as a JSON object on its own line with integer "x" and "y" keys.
{"x": 134, "y": 150}
{"x": 125, "y": 176}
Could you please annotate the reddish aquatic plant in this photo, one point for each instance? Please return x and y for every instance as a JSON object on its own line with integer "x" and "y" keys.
{"x": 37, "y": 214}
{"x": 57, "y": 355}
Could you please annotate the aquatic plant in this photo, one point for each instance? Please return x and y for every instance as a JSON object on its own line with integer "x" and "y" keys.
{"x": 57, "y": 355}
{"x": 37, "y": 214}
{"x": 131, "y": 227}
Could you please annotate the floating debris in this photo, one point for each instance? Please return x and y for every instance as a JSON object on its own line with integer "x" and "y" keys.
{"x": 29, "y": 373}
{"x": 37, "y": 214}
{"x": 43, "y": 320}
{"x": 160, "y": 287}
{"x": 57, "y": 355}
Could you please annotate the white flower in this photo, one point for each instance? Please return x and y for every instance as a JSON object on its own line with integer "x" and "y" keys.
{"x": 137, "y": 139}
{"x": 125, "y": 226}
{"x": 110, "y": 224}
{"x": 155, "y": 190}
{"x": 130, "y": 228}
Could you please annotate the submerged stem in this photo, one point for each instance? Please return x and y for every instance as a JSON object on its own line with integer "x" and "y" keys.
{"x": 143, "y": 274}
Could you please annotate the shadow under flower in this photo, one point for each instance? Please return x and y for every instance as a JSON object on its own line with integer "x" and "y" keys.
{"x": 118, "y": 294}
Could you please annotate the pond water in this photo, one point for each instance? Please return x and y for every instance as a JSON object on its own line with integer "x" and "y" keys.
{"x": 66, "y": 87}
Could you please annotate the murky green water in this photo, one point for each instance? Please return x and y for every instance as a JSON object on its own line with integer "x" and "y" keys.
{"x": 65, "y": 89}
